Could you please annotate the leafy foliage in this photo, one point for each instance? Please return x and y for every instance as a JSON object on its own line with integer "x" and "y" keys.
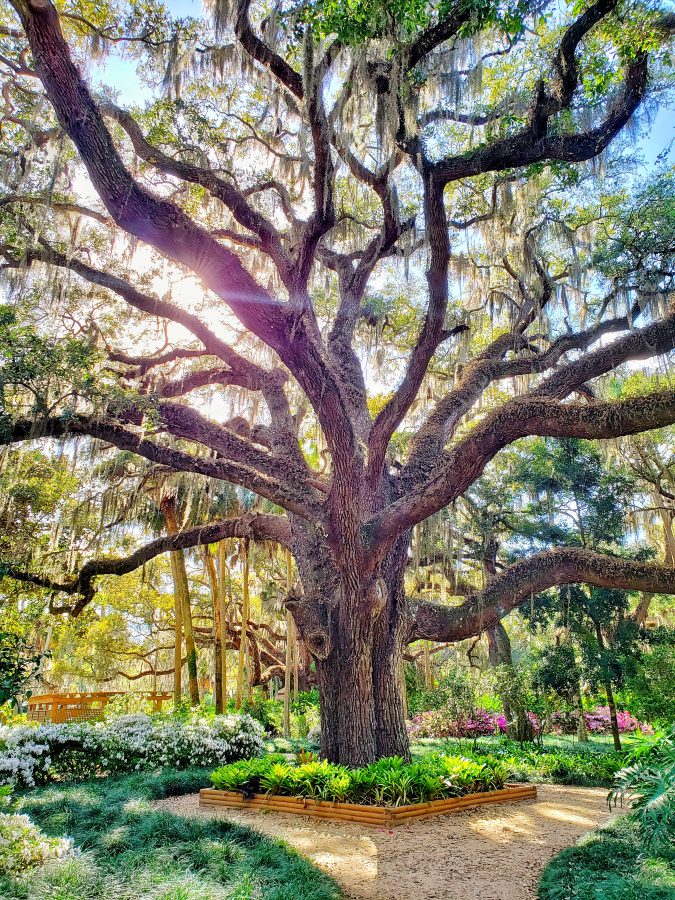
{"x": 552, "y": 760}
{"x": 649, "y": 786}
{"x": 18, "y": 664}
{"x": 388, "y": 782}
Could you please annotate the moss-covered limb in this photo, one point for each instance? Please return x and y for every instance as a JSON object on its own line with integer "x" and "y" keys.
{"x": 134, "y": 850}
{"x": 529, "y": 415}
{"x": 610, "y": 862}
{"x": 564, "y": 565}
{"x": 257, "y": 526}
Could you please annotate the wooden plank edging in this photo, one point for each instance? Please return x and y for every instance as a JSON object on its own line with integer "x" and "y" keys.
{"x": 361, "y": 814}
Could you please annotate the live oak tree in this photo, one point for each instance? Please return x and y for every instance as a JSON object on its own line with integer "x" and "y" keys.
{"x": 298, "y": 153}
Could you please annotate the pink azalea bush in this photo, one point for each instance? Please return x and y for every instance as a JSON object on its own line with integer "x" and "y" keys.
{"x": 599, "y": 721}
{"x": 439, "y": 723}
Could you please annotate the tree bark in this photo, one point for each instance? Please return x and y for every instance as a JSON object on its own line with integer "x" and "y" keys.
{"x": 218, "y": 648}
{"x": 178, "y": 652}
{"x": 222, "y": 609}
{"x": 182, "y": 591}
{"x": 611, "y": 703}
{"x": 499, "y": 654}
{"x": 290, "y": 629}
{"x": 359, "y": 658}
{"x": 244, "y": 619}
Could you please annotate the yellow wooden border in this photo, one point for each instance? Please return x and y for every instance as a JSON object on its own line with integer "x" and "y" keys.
{"x": 383, "y": 816}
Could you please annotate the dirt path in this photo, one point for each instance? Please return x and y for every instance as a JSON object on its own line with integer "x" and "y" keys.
{"x": 486, "y": 853}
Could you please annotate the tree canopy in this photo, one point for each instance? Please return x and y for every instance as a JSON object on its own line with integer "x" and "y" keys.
{"x": 341, "y": 256}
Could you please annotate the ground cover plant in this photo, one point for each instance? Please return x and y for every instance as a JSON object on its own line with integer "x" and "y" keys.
{"x": 611, "y": 862}
{"x": 387, "y": 782}
{"x": 127, "y": 850}
{"x": 36, "y": 754}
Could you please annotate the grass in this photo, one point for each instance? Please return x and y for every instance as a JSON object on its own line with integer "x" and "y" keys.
{"x": 131, "y": 851}
{"x": 612, "y": 862}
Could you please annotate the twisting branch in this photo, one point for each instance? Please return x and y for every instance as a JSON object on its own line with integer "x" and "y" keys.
{"x": 292, "y": 334}
{"x": 71, "y": 208}
{"x": 521, "y": 581}
{"x": 490, "y": 366}
{"x": 254, "y": 526}
{"x": 236, "y": 470}
{"x": 520, "y": 417}
{"x": 256, "y": 48}
{"x": 225, "y": 191}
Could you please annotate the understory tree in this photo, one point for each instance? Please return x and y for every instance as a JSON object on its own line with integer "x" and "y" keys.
{"x": 216, "y": 281}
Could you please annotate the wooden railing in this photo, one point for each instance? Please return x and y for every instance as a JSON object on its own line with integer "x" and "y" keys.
{"x": 82, "y": 705}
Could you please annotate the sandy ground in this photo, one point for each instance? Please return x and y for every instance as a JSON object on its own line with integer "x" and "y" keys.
{"x": 486, "y": 853}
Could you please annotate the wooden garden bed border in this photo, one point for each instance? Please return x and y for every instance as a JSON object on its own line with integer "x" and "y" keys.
{"x": 383, "y": 816}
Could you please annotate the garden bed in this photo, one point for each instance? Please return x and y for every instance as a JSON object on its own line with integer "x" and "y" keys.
{"x": 382, "y": 816}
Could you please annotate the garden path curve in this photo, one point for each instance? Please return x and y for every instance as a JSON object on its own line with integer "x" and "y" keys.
{"x": 485, "y": 853}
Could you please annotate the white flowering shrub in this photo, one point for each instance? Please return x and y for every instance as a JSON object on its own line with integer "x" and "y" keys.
{"x": 36, "y": 754}
{"x": 22, "y": 844}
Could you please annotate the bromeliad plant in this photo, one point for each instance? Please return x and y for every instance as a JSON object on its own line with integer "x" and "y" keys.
{"x": 387, "y": 782}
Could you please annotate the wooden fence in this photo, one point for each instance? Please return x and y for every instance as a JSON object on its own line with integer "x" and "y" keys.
{"x": 82, "y": 706}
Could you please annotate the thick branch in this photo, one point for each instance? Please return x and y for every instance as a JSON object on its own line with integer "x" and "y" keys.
{"x": 293, "y": 498}
{"x": 254, "y": 526}
{"x": 524, "y": 579}
{"x": 222, "y": 190}
{"x": 491, "y": 366}
{"x": 529, "y": 146}
{"x": 519, "y": 418}
{"x": 163, "y": 225}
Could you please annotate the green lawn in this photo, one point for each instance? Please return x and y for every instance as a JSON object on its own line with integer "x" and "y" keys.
{"x": 611, "y": 863}
{"x": 130, "y": 851}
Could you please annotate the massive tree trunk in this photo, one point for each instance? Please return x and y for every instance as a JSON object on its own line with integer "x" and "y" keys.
{"x": 357, "y": 641}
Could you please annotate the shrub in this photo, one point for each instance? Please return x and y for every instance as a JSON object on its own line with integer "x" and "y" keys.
{"x": 31, "y": 755}
{"x": 440, "y": 723}
{"x": 583, "y": 764}
{"x": 599, "y": 721}
{"x": 22, "y": 844}
{"x": 389, "y": 782}
{"x": 649, "y": 786}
